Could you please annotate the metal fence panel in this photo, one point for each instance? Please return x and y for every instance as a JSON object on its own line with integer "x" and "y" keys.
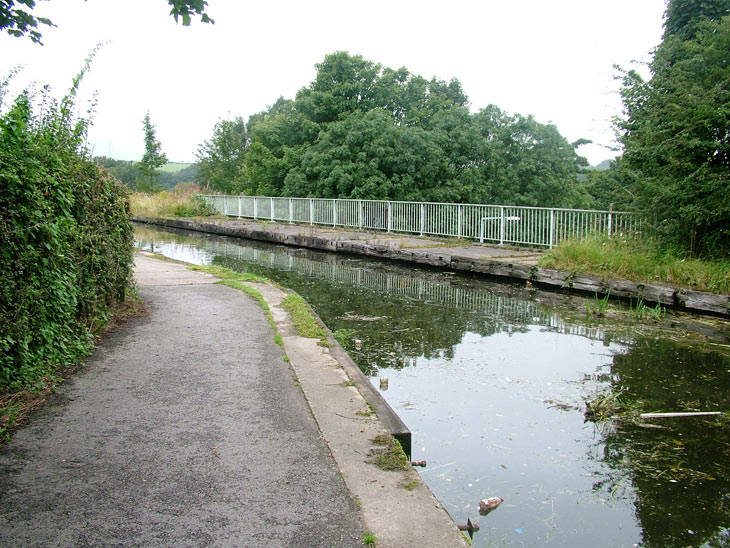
{"x": 518, "y": 225}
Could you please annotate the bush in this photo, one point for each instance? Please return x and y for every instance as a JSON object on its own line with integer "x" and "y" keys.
{"x": 65, "y": 239}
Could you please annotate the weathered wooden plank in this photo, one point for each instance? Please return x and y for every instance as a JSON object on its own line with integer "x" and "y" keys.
{"x": 701, "y": 300}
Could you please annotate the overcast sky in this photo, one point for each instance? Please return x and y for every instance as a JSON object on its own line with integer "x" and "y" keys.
{"x": 552, "y": 59}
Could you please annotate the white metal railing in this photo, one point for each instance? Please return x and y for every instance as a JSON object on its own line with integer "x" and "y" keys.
{"x": 522, "y": 225}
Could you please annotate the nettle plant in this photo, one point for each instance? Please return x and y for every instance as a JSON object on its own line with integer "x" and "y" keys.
{"x": 65, "y": 236}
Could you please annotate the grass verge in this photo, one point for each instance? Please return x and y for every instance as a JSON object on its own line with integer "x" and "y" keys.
{"x": 305, "y": 324}
{"x": 638, "y": 260}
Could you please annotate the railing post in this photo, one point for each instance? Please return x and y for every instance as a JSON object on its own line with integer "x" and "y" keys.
{"x": 460, "y": 218}
{"x": 423, "y": 218}
{"x": 334, "y": 212}
{"x": 359, "y": 214}
{"x": 271, "y": 208}
{"x": 311, "y": 211}
{"x": 610, "y": 219}
{"x": 291, "y": 211}
{"x": 501, "y": 225}
{"x": 552, "y": 227}
{"x": 225, "y": 205}
{"x": 389, "y": 215}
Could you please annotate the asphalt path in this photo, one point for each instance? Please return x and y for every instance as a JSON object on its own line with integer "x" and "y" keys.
{"x": 185, "y": 428}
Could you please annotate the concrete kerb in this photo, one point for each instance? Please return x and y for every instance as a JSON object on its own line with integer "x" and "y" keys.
{"x": 397, "y": 516}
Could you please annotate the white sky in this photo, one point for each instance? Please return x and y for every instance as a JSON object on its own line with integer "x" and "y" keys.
{"x": 553, "y": 59}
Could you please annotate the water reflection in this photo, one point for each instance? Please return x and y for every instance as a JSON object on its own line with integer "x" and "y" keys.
{"x": 492, "y": 382}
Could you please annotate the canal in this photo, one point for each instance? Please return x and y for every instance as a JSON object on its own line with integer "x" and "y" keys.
{"x": 493, "y": 378}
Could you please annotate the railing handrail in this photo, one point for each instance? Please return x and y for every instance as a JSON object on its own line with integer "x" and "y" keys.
{"x": 543, "y": 208}
{"x": 519, "y": 225}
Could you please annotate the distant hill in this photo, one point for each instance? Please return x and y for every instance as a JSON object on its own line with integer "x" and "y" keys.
{"x": 603, "y": 165}
{"x": 174, "y": 167}
{"x": 171, "y": 175}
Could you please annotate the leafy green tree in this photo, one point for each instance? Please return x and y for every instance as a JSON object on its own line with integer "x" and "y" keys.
{"x": 360, "y": 130}
{"x": 524, "y": 162}
{"x": 278, "y": 139}
{"x": 683, "y": 18}
{"x": 152, "y": 159}
{"x": 20, "y": 22}
{"x": 124, "y": 170}
{"x": 612, "y": 188}
{"x": 222, "y": 158}
{"x": 676, "y": 134}
{"x": 368, "y": 155}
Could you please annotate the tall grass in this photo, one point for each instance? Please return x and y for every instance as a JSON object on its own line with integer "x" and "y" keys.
{"x": 180, "y": 202}
{"x": 639, "y": 260}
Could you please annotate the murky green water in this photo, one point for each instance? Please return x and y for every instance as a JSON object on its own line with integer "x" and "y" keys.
{"x": 492, "y": 378}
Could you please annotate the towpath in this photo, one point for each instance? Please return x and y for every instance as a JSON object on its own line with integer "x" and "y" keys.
{"x": 187, "y": 427}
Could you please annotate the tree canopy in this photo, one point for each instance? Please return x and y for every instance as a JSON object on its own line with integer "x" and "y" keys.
{"x": 362, "y": 130}
{"x": 19, "y": 21}
{"x": 676, "y": 130}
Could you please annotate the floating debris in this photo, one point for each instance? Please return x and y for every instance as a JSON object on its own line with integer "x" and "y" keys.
{"x": 357, "y": 318}
{"x": 680, "y": 414}
{"x": 489, "y": 504}
{"x": 604, "y": 406}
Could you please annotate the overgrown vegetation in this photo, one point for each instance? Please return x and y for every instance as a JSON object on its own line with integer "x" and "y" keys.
{"x": 344, "y": 337}
{"x": 183, "y": 201}
{"x": 388, "y": 454}
{"x": 369, "y": 538}
{"x": 305, "y": 324}
{"x": 65, "y": 239}
{"x": 638, "y": 259}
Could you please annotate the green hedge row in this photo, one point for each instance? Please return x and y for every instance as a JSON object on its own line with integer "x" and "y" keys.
{"x": 65, "y": 240}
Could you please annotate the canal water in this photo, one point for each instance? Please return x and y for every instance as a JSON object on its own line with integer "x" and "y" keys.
{"x": 492, "y": 379}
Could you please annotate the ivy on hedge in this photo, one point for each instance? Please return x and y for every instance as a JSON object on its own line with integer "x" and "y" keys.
{"x": 65, "y": 239}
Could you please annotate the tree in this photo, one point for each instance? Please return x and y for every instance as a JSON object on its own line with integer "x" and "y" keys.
{"x": 152, "y": 159}
{"x": 124, "y": 170}
{"x": 368, "y": 155}
{"x": 676, "y": 133}
{"x": 19, "y": 22}
{"x": 361, "y": 130}
{"x": 683, "y": 17}
{"x": 523, "y": 162}
{"x": 221, "y": 159}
